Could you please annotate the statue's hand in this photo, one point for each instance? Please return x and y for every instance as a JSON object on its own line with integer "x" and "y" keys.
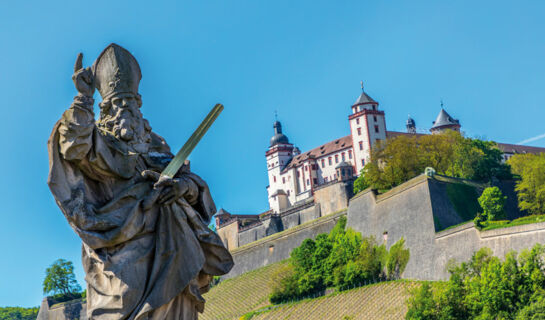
{"x": 83, "y": 78}
{"x": 167, "y": 190}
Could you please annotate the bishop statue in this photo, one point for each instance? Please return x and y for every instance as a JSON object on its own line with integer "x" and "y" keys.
{"x": 147, "y": 250}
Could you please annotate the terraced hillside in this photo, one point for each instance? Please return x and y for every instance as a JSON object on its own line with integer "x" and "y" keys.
{"x": 375, "y": 302}
{"x": 248, "y": 293}
{"x": 235, "y": 297}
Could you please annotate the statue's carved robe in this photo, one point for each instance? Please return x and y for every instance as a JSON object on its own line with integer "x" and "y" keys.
{"x": 140, "y": 263}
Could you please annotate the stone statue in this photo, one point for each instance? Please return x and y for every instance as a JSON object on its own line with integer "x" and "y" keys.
{"x": 145, "y": 257}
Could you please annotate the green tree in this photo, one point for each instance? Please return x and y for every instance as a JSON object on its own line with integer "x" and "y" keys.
{"x": 405, "y": 157}
{"x": 60, "y": 279}
{"x": 18, "y": 313}
{"x": 492, "y": 202}
{"x": 531, "y": 187}
{"x": 397, "y": 260}
{"x": 486, "y": 288}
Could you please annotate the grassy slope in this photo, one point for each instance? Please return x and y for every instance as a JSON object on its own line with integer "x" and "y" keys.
{"x": 249, "y": 292}
{"x": 234, "y": 297}
{"x": 517, "y": 222}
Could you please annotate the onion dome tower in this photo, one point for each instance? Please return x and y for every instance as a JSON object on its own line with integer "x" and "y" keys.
{"x": 445, "y": 122}
{"x": 411, "y": 125}
{"x": 278, "y": 137}
{"x": 278, "y": 156}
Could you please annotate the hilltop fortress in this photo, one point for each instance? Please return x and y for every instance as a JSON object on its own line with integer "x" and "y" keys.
{"x": 309, "y": 191}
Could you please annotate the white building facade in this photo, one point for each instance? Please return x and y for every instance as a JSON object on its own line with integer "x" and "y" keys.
{"x": 294, "y": 176}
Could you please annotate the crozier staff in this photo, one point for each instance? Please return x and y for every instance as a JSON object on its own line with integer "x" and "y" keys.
{"x": 145, "y": 257}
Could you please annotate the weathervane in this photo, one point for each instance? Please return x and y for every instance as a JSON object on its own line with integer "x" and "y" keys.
{"x": 361, "y": 82}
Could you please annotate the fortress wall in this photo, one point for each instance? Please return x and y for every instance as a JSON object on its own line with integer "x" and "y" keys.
{"x": 408, "y": 211}
{"x": 229, "y": 235}
{"x": 71, "y": 310}
{"x": 405, "y": 211}
{"x": 459, "y": 243}
{"x": 251, "y": 234}
{"x": 333, "y": 197}
{"x": 291, "y": 220}
{"x": 278, "y": 246}
{"x": 310, "y": 214}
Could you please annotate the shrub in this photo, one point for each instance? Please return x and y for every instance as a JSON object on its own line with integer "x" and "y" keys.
{"x": 486, "y": 288}
{"x": 492, "y": 202}
{"x": 398, "y": 258}
{"x": 341, "y": 259}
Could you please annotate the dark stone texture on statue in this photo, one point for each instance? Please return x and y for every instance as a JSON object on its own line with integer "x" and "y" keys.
{"x": 145, "y": 257}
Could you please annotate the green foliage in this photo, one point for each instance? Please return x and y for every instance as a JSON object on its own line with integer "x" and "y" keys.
{"x": 490, "y": 225}
{"x": 531, "y": 187}
{"x": 486, "y": 288}
{"x": 18, "y": 313}
{"x": 534, "y": 311}
{"x": 339, "y": 259}
{"x": 492, "y": 201}
{"x": 464, "y": 200}
{"x": 61, "y": 280}
{"x": 405, "y": 157}
{"x": 397, "y": 260}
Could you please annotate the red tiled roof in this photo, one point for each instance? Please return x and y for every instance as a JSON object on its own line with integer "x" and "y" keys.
{"x": 393, "y": 134}
{"x": 516, "y": 148}
{"x": 325, "y": 149}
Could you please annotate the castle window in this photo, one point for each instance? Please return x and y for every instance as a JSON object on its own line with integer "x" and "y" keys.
{"x": 315, "y": 181}
{"x": 361, "y": 145}
{"x": 342, "y": 156}
{"x": 374, "y": 107}
{"x": 329, "y": 160}
{"x": 336, "y": 158}
{"x": 363, "y": 162}
{"x": 274, "y": 178}
{"x": 308, "y": 182}
{"x": 357, "y": 120}
{"x": 283, "y": 179}
{"x": 323, "y": 163}
{"x": 376, "y": 128}
{"x": 359, "y": 131}
{"x": 349, "y": 154}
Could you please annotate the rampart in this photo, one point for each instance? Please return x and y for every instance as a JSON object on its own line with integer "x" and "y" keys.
{"x": 278, "y": 246}
{"x": 71, "y": 310}
{"x": 416, "y": 209}
{"x": 429, "y": 213}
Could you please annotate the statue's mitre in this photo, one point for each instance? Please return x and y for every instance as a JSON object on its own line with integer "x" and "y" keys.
{"x": 116, "y": 71}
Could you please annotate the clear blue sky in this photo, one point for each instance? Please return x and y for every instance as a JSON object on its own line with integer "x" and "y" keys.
{"x": 485, "y": 59}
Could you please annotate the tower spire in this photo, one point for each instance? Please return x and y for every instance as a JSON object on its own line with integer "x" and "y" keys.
{"x": 361, "y": 82}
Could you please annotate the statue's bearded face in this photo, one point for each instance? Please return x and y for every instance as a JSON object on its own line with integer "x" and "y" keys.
{"x": 122, "y": 117}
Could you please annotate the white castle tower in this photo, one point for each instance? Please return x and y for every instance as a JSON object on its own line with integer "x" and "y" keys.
{"x": 278, "y": 156}
{"x": 367, "y": 127}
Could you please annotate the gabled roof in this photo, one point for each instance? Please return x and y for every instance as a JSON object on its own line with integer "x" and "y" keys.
{"x": 516, "y": 148}
{"x": 323, "y": 150}
{"x": 504, "y": 147}
{"x": 444, "y": 119}
{"x": 364, "y": 98}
